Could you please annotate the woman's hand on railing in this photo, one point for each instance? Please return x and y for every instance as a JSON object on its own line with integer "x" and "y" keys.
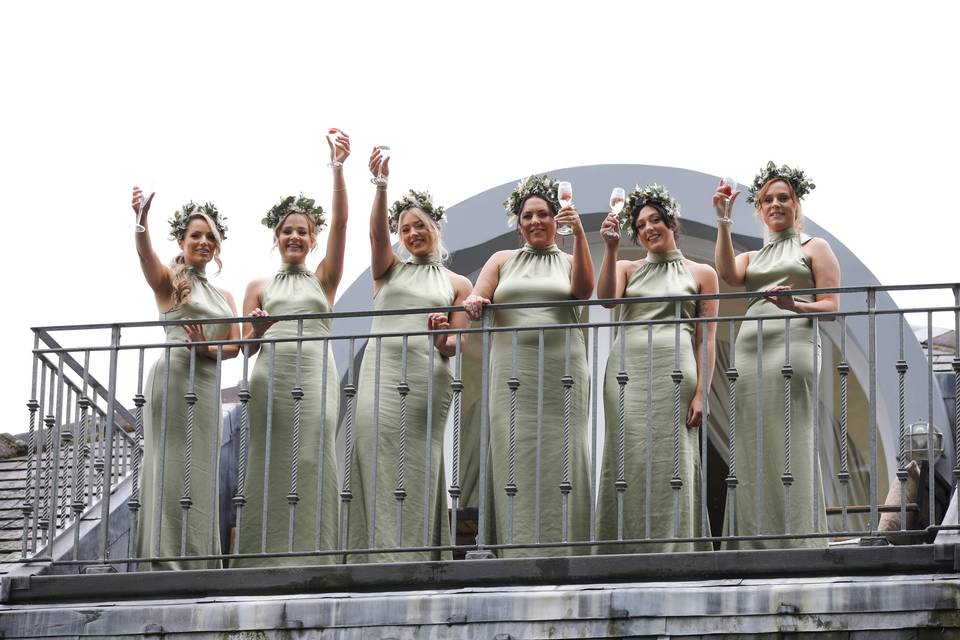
{"x": 786, "y": 303}
{"x": 474, "y": 305}
{"x": 260, "y": 325}
{"x": 440, "y": 322}
{"x": 695, "y": 411}
{"x": 195, "y": 334}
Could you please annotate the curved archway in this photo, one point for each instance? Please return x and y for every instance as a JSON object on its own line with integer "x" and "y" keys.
{"x": 478, "y": 227}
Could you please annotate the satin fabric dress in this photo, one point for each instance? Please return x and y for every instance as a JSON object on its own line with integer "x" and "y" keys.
{"x": 760, "y": 428}
{"x": 166, "y": 439}
{"x": 293, "y": 290}
{"x": 661, "y": 274}
{"x": 423, "y": 519}
{"x": 538, "y": 275}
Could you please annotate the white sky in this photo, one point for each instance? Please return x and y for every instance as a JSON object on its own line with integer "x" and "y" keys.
{"x": 228, "y": 102}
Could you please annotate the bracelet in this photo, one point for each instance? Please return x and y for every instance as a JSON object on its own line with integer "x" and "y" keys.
{"x": 381, "y": 187}
{"x": 725, "y": 220}
{"x": 340, "y": 189}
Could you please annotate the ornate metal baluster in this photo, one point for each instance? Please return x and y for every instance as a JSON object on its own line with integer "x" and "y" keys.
{"x": 787, "y": 477}
{"x": 297, "y": 394}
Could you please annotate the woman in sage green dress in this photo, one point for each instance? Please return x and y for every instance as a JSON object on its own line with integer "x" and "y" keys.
{"x": 291, "y": 475}
{"x": 650, "y": 424}
{"x": 378, "y": 518}
{"x": 182, "y": 292}
{"x": 789, "y": 259}
{"x": 538, "y": 272}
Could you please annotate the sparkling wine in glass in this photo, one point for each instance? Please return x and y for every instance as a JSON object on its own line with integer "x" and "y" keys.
{"x": 565, "y": 195}
{"x": 332, "y": 137}
{"x": 617, "y": 201}
{"x": 728, "y": 186}
{"x": 145, "y": 192}
{"x": 379, "y": 180}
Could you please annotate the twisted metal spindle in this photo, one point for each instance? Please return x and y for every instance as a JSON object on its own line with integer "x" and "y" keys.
{"x": 513, "y": 383}
{"x": 239, "y": 497}
{"x": 565, "y": 485}
{"x": 350, "y": 391}
{"x": 297, "y": 394}
{"x": 400, "y": 492}
{"x": 621, "y": 482}
{"x": 902, "y": 475}
{"x": 26, "y": 507}
{"x": 190, "y": 397}
{"x": 787, "y": 477}
{"x": 677, "y": 376}
{"x": 456, "y": 385}
{"x": 843, "y": 370}
{"x": 731, "y": 480}
{"x": 133, "y": 504}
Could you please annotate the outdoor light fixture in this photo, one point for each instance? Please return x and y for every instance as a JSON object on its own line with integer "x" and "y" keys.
{"x": 917, "y": 440}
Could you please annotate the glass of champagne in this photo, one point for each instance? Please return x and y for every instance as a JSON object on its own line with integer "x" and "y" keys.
{"x": 332, "y": 137}
{"x": 145, "y": 192}
{"x": 565, "y": 195}
{"x": 617, "y": 201}
{"x": 728, "y": 186}
{"x": 379, "y": 180}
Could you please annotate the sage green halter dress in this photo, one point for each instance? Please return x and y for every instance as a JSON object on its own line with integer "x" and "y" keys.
{"x": 293, "y": 290}
{"x": 538, "y": 275}
{"x": 166, "y": 439}
{"x": 661, "y": 274}
{"x": 416, "y": 283}
{"x": 780, "y": 262}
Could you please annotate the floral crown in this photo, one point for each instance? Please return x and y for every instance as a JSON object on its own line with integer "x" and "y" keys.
{"x": 796, "y": 178}
{"x": 295, "y": 204}
{"x": 421, "y": 200}
{"x": 541, "y": 186}
{"x": 641, "y": 197}
{"x": 181, "y": 218}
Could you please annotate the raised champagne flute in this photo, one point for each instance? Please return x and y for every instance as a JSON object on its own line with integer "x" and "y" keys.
{"x": 617, "y": 201}
{"x": 379, "y": 180}
{"x": 145, "y": 192}
{"x": 565, "y": 195}
{"x": 728, "y": 186}
{"x": 332, "y": 137}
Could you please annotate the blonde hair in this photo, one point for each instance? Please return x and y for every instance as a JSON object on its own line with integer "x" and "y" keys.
{"x": 758, "y": 201}
{"x": 431, "y": 224}
{"x": 182, "y": 286}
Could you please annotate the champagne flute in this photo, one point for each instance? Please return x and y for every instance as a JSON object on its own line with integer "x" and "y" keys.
{"x": 731, "y": 184}
{"x": 379, "y": 180}
{"x": 617, "y": 201}
{"x": 145, "y": 192}
{"x": 565, "y": 194}
{"x": 332, "y": 134}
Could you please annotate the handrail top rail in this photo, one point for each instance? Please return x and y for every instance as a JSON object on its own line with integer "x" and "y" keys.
{"x": 512, "y": 305}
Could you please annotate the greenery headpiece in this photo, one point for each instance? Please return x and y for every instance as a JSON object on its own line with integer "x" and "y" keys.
{"x": 797, "y": 179}
{"x": 641, "y": 197}
{"x": 180, "y": 219}
{"x": 541, "y": 186}
{"x": 421, "y": 200}
{"x": 295, "y": 204}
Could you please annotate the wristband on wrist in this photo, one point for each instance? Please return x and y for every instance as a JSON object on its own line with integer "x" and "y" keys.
{"x": 725, "y": 220}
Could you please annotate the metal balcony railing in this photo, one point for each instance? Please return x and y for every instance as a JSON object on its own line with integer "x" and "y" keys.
{"x": 83, "y": 443}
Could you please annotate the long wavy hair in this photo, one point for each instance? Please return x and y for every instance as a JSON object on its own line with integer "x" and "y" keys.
{"x": 182, "y": 286}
